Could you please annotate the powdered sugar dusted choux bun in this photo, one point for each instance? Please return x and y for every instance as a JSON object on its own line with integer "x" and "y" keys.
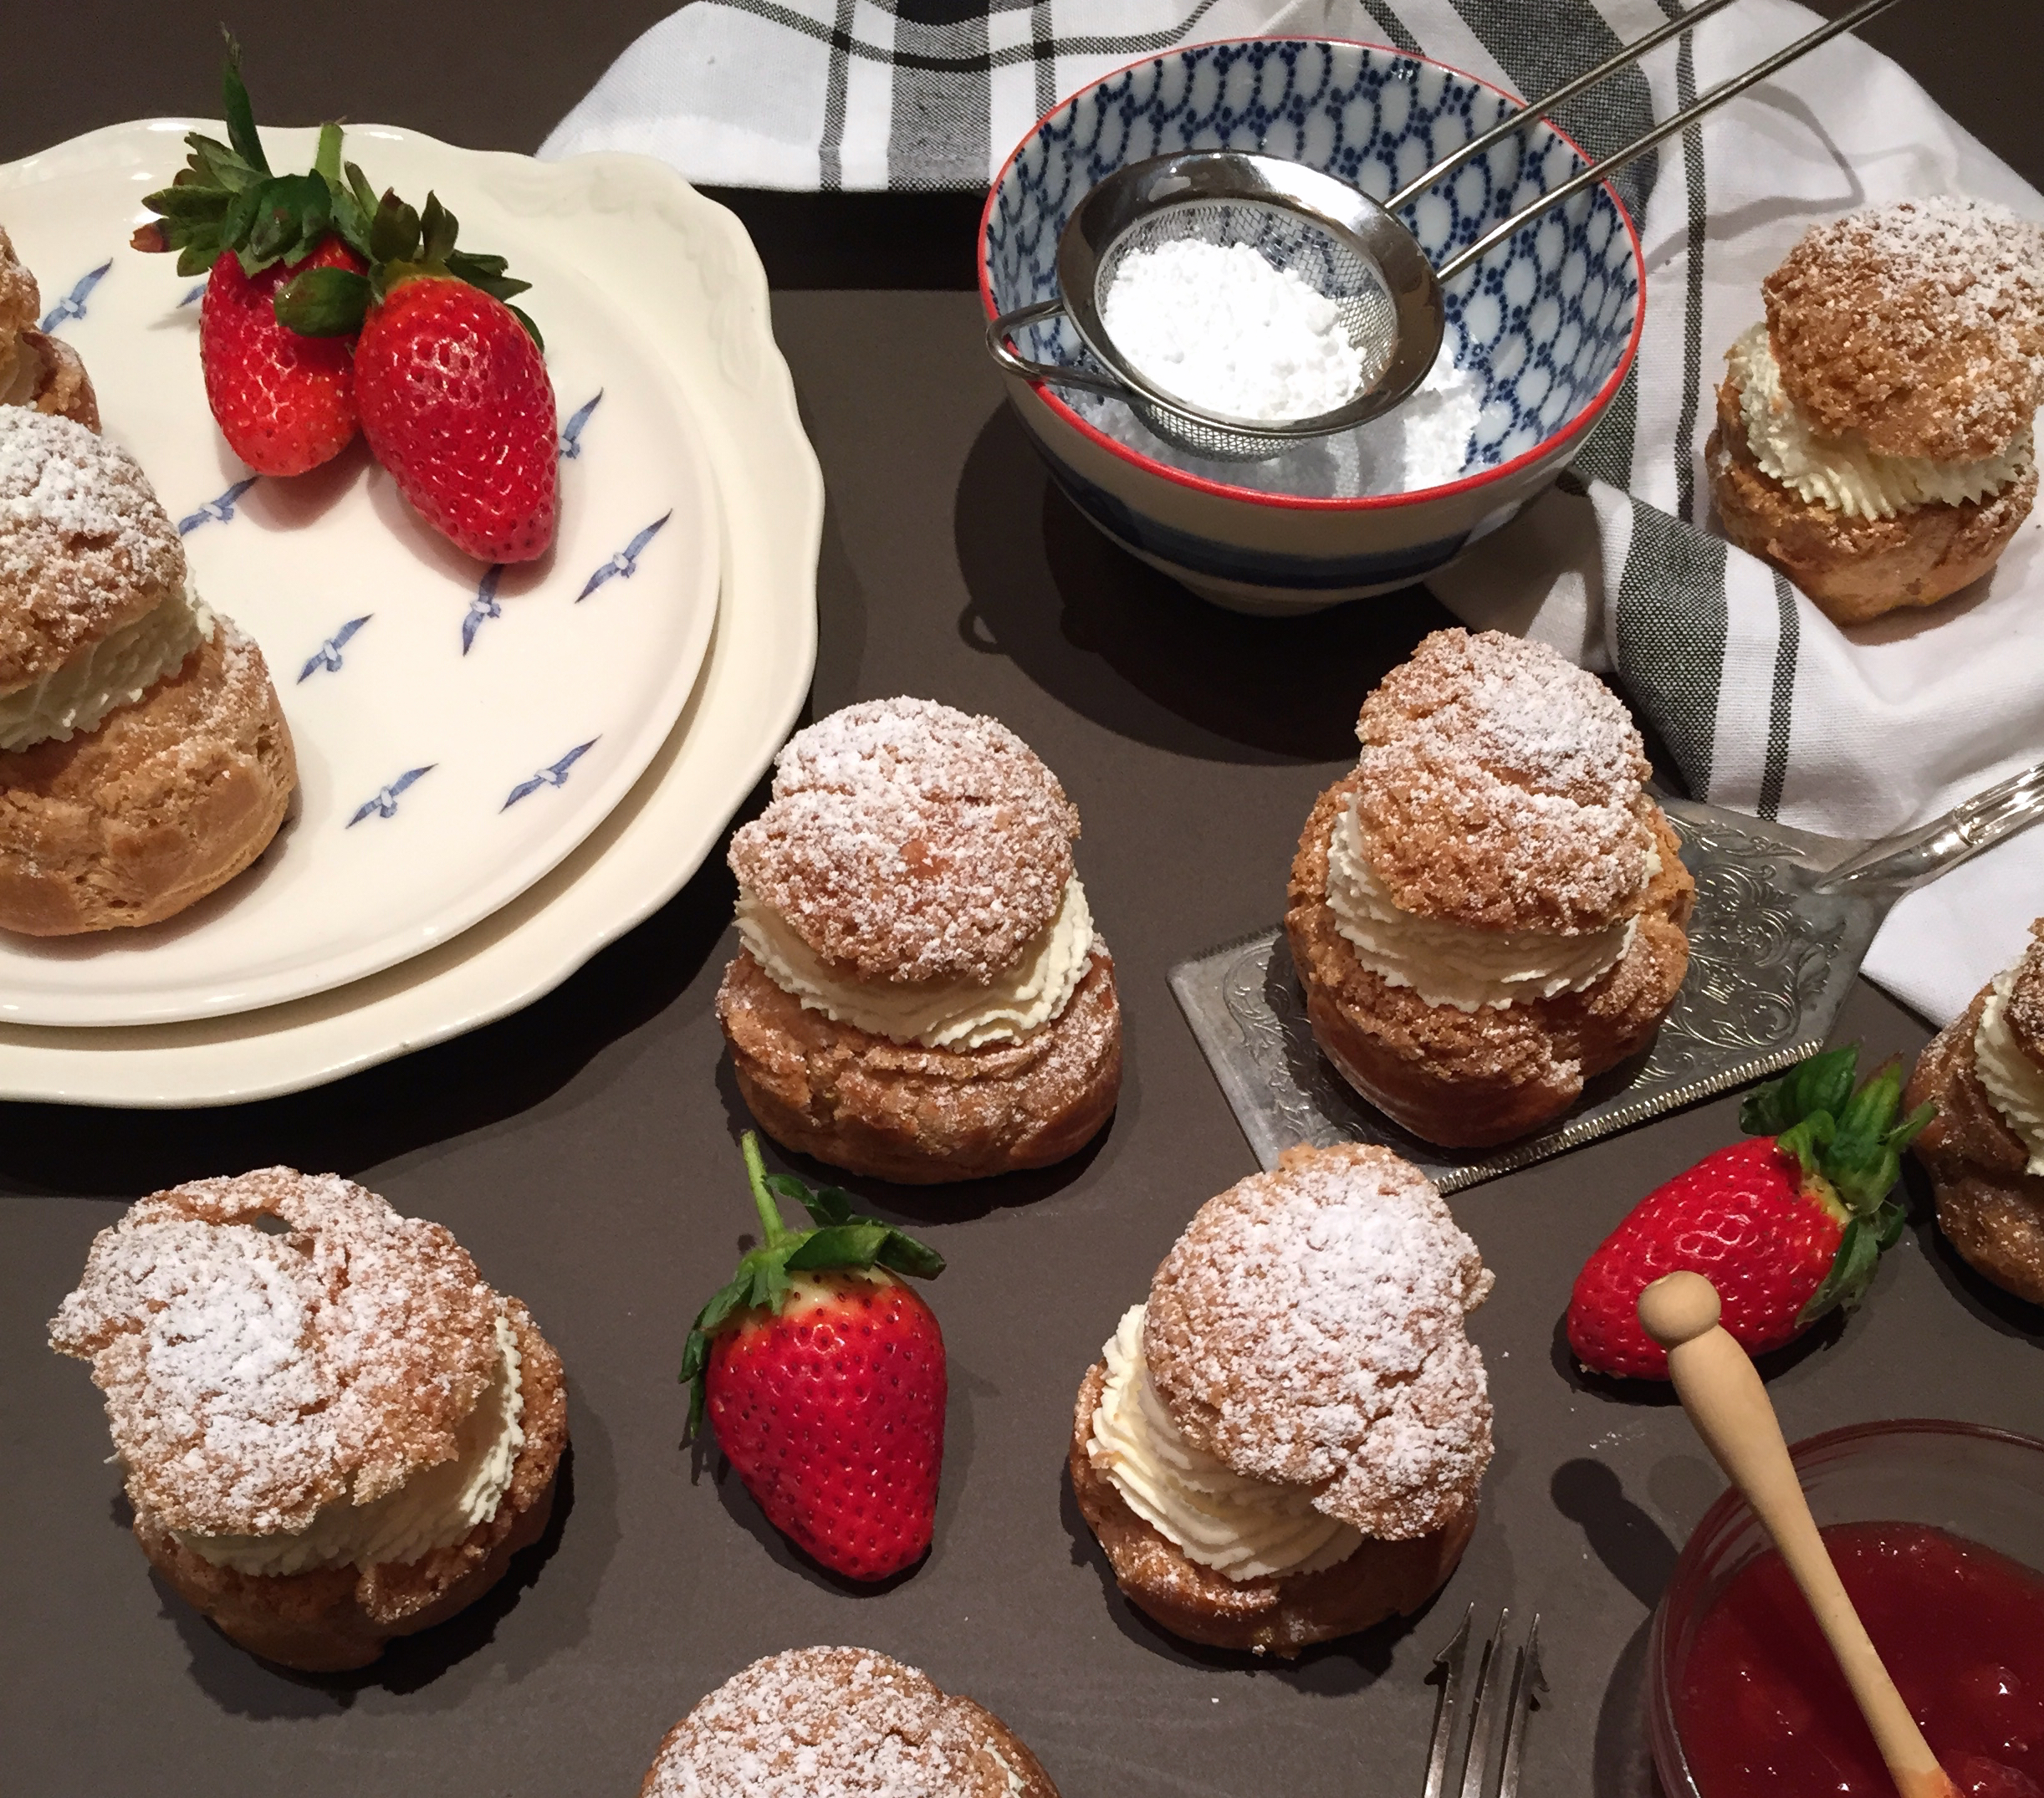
{"x": 144, "y": 758}
{"x": 1284, "y": 1443}
{"x": 332, "y": 1431}
{"x": 920, "y": 994}
{"x": 840, "y": 1723}
{"x": 1874, "y": 436}
{"x": 37, "y": 371}
{"x": 1984, "y": 1149}
{"x": 1490, "y": 909}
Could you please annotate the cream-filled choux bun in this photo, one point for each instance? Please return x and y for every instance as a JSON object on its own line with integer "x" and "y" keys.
{"x": 1874, "y": 438}
{"x": 332, "y": 1431}
{"x": 36, "y": 370}
{"x": 1283, "y": 1443}
{"x": 840, "y": 1723}
{"x": 144, "y": 760}
{"x": 1490, "y": 909}
{"x": 1984, "y": 1149}
{"x": 921, "y": 994}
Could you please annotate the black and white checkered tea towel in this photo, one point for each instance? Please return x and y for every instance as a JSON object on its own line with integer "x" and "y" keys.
{"x": 1767, "y": 706}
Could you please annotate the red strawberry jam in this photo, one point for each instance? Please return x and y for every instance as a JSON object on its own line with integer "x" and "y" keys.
{"x": 1764, "y": 1712}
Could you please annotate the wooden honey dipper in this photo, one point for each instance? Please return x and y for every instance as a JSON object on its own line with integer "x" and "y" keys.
{"x": 1721, "y": 1391}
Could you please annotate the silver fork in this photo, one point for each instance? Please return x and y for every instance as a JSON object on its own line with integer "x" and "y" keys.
{"x": 1526, "y": 1686}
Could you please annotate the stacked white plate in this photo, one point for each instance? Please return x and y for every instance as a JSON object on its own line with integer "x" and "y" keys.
{"x": 502, "y": 770}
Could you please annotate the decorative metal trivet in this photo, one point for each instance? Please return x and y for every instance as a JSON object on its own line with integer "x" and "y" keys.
{"x": 1782, "y": 921}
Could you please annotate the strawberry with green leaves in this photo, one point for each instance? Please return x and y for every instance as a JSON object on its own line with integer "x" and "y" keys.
{"x": 1787, "y": 1226}
{"x": 822, "y": 1377}
{"x": 449, "y": 379}
{"x": 284, "y": 402}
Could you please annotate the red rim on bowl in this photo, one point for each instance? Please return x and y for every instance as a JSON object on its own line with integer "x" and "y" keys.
{"x": 1585, "y": 416}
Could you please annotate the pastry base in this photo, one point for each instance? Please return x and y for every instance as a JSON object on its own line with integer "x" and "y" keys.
{"x": 920, "y": 1116}
{"x": 1855, "y": 568}
{"x": 1989, "y": 1207}
{"x": 334, "y": 1618}
{"x": 169, "y": 798}
{"x": 1276, "y": 1617}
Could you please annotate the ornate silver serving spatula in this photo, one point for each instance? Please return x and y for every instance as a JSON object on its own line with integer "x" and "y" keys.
{"x": 1782, "y": 921}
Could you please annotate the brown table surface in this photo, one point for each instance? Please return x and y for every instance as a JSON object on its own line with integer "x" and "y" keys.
{"x": 585, "y": 1150}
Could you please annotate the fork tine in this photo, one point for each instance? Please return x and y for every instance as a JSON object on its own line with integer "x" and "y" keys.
{"x": 1527, "y": 1685}
{"x": 1447, "y": 1708}
{"x": 1483, "y": 1713}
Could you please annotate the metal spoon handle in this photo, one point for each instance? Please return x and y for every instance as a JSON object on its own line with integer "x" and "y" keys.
{"x": 1534, "y": 111}
{"x": 1667, "y": 128}
{"x": 1914, "y": 857}
{"x": 1062, "y": 374}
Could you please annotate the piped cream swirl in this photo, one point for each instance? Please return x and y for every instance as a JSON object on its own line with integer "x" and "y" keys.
{"x": 1453, "y": 964}
{"x": 2013, "y": 1082}
{"x": 1845, "y": 472}
{"x": 1242, "y": 1528}
{"x": 935, "y": 1013}
{"x": 115, "y": 672}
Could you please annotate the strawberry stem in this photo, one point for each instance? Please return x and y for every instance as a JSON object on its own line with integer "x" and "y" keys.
{"x": 774, "y": 1231}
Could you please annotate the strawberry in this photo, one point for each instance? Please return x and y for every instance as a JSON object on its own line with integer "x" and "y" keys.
{"x": 1787, "y": 1226}
{"x": 451, "y": 381}
{"x": 284, "y": 402}
{"x": 823, "y": 1378}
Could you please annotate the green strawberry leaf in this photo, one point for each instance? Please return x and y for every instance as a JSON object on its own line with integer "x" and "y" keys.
{"x": 394, "y": 231}
{"x": 1808, "y": 1141}
{"x": 840, "y": 1245}
{"x": 240, "y": 113}
{"x": 323, "y": 302}
{"x": 904, "y": 1255}
{"x": 1851, "y": 1271}
{"x": 439, "y": 228}
{"x": 1823, "y": 1083}
{"x": 526, "y": 324}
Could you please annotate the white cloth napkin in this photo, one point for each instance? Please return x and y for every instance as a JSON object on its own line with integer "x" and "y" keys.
{"x": 1766, "y": 705}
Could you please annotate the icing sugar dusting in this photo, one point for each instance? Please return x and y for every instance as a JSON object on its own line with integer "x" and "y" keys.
{"x": 1308, "y": 1328}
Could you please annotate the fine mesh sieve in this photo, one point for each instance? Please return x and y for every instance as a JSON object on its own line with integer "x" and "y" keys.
{"x": 1336, "y": 238}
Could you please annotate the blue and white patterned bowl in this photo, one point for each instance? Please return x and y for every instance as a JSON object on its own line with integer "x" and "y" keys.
{"x": 1547, "y": 324}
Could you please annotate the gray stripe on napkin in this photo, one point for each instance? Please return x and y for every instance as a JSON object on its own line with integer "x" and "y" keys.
{"x": 1692, "y": 296}
{"x": 1042, "y": 48}
{"x": 1392, "y": 27}
{"x": 938, "y": 135}
{"x": 1781, "y": 716}
{"x": 831, "y": 147}
{"x": 843, "y": 40}
{"x": 1671, "y": 629}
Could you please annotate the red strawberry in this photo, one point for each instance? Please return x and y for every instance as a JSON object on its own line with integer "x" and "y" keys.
{"x": 284, "y": 402}
{"x": 455, "y": 403}
{"x": 823, "y": 1376}
{"x": 1787, "y": 1226}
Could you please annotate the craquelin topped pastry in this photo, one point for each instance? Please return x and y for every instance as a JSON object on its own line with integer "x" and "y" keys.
{"x": 921, "y": 994}
{"x": 144, "y": 760}
{"x": 1984, "y": 1149}
{"x": 1490, "y": 910}
{"x": 332, "y": 1431}
{"x": 840, "y": 1723}
{"x": 36, "y": 370}
{"x": 1874, "y": 436}
{"x": 1284, "y": 1444}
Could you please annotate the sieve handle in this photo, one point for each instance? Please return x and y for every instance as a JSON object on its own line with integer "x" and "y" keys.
{"x": 1055, "y": 372}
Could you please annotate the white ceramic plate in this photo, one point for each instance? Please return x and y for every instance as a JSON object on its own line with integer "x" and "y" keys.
{"x": 683, "y": 273}
{"x": 459, "y": 729}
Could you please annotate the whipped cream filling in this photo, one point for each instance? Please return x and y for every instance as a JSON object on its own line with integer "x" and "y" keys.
{"x": 101, "y": 677}
{"x": 1454, "y": 964}
{"x": 434, "y": 1509}
{"x": 935, "y": 1013}
{"x": 1244, "y": 1528}
{"x": 2013, "y": 1082}
{"x": 1846, "y": 473}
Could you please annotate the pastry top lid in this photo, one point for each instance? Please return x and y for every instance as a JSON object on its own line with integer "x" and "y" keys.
{"x": 907, "y": 841}
{"x": 2024, "y": 1012}
{"x": 1307, "y": 1328}
{"x": 1920, "y": 326}
{"x": 273, "y": 1342}
{"x": 827, "y": 1722}
{"x": 1500, "y": 788}
{"x": 20, "y": 301}
{"x": 85, "y": 546}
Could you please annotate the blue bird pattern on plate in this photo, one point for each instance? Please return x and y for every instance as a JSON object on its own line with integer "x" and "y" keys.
{"x": 625, "y": 563}
{"x": 73, "y": 305}
{"x": 571, "y": 431}
{"x": 327, "y": 656}
{"x": 555, "y": 775}
{"x": 483, "y": 607}
{"x": 384, "y": 805}
{"x": 193, "y": 295}
{"x": 220, "y": 511}
{"x": 1542, "y": 321}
